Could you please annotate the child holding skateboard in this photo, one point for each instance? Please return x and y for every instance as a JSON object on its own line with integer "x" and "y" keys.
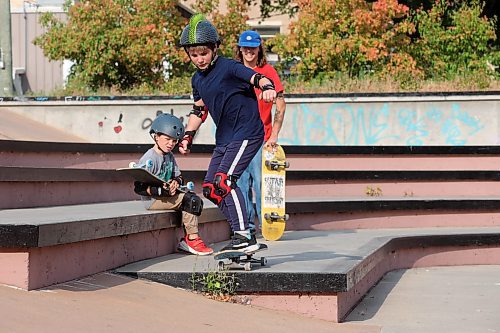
{"x": 224, "y": 88}
{"x": 250, "y": 52}
{"x": 166, "y": 131}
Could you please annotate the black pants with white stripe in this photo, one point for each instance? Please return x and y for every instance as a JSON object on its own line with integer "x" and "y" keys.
{"x": 232, "y": 160}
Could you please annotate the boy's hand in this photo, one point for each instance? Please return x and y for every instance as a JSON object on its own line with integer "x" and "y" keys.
{"x": 172, "y": 186}
{"x": 186, "y": 142}
{"x": 183, "y": 147}
{"x": 268, "y": 95}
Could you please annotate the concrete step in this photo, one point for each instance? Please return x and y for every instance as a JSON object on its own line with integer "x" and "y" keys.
{"x": 329, "y": 269}
{"x": 47, "y": 245}
{"x": 23, "y": 187}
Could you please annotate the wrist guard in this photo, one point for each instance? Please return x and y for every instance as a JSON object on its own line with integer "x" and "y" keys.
{"x": 189, "y": 136}
{"x": 159, "y": 191}
{"x": 200, "y": 111}
{"x": 179, "y": 180}
{"x": 268, "y": 86}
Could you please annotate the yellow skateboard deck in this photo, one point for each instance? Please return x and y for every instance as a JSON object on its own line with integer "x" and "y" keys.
{"x": 273, "y": 214}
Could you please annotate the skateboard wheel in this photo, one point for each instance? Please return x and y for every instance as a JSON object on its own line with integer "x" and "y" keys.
{"x": 268, "y": 163}
{"x": 190, "y": 186}
{"x": 131, "y": 165}
{"x": 267, "y": 216}
{"x": 220, "y": 266}
{"x": 287, "y": 165}
{"x": 247, "y": 266}
{"x": 287, "y": 217}
{"x": 263, "y": 261}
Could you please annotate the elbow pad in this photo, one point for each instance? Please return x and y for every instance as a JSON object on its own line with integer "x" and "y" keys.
{"x": 200, "y": 111}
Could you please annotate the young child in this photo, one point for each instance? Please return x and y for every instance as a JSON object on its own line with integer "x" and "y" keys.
{"x": 224, "y": 88}
{"x": 250, "y": 52}
{"x": 166, "y": 130}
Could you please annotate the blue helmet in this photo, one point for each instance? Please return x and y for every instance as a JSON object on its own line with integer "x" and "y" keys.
{"x": 250, "y": 38}
{"x": 168, "y": 124}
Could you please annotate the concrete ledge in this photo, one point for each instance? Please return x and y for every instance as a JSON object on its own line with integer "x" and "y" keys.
{"x": 51, "y": 226}
{"x": 24, "y": 187}
{"x": 140, "y": 148}
{"x": 325, "y": 274}
{"x": 43, "y": 246}
{"x": 398, "y": 175}
{"x": 27, "y": 187}
{"x": 380, "y": 203}
{"x": 398, "y": 212}
{"x": 335, "y": 306}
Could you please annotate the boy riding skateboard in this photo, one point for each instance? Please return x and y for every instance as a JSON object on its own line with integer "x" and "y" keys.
{"x": 223, "y": 88}
{"x": 166, "y": 131}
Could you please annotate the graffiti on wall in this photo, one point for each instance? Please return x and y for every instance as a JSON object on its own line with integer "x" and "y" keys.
{"x": 379, "y": 124}
{"x": 117, "y": 126}
{"x": 402, "y": 123}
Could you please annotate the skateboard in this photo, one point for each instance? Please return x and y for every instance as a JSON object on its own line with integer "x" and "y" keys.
{"x": 239, "y": 259}
{"x": 139, "y": 172}
{"x": 273, "y": 214}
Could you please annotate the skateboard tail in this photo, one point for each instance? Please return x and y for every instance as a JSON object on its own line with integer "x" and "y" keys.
{"x": 273, "y": 233}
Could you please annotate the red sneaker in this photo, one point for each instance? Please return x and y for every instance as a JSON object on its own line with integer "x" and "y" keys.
{"x": 195, "y": 246}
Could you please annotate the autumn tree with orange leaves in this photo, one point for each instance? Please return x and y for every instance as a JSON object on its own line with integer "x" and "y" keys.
{"x": 349, "y": 36}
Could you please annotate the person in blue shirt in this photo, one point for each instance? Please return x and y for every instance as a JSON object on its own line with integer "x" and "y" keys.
{"x": 224, "y": 88}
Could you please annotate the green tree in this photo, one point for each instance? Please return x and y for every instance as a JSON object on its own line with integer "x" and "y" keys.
{"x": 116, "y": 43}
{"x": 444, "y": 49}
{"x": 348, "y": 36}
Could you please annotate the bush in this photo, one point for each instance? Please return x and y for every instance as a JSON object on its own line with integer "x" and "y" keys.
{"x": 445, "y": 50}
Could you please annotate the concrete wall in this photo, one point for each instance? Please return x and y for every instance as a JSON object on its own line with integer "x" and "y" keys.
{"x": 404, "y": 120}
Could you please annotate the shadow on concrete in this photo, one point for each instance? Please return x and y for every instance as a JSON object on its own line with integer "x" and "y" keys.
{"x": 375, "y": 298}
{"x": 91, "y": 283}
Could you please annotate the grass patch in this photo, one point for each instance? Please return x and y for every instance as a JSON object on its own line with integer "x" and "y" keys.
{"x": 218, "y": 285}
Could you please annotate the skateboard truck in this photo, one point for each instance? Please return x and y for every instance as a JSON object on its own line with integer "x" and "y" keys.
{"x": 240, "y": 260}
{"x": 146, "y": 165}
{"x": 275, "y": 165}
{"x": 273, "y": 217}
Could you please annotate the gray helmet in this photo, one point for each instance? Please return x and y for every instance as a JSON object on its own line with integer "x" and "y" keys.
{"x": 168, "y": 124}
{"x": 199, "y": 31}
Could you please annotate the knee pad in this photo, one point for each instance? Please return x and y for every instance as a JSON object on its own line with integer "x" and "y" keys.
{"x": 220, "y": 188}
{"x": 210, "y": 193}
{"x": 191, "y": 203}
{"x": 224, "y": 184}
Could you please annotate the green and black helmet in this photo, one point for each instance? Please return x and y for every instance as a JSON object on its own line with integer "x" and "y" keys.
{"x": 199, "y": 31}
